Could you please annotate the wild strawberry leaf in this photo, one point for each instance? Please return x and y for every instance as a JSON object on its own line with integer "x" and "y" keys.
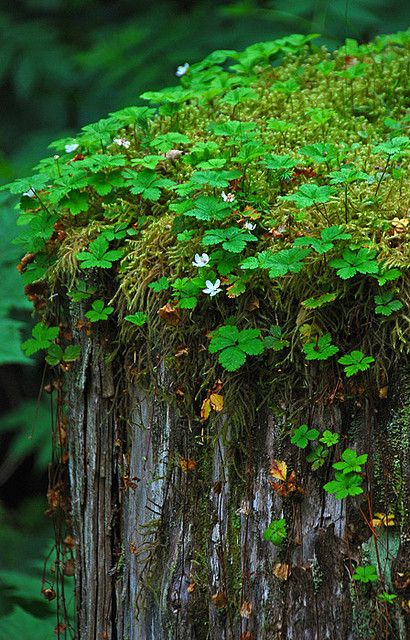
{"x": 354, "y": 362}
{"x": 321, "y": 348}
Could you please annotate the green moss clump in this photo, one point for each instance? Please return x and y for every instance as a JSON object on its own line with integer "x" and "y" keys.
{"x": 285, "y": 164}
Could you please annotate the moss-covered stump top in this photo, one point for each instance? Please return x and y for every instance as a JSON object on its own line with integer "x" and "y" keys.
{"x": 256, "y": 214}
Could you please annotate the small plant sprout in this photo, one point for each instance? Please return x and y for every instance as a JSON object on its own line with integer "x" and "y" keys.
{"x": 303, "y": 435}
{"x": 386, "y": 597}
{"x": 212, "y": 289}
{"x": 318, "y": 457}
{"x": 98, "y": 311}
{"x": 321, "y": 349}
{"x": 200, "y": 260}
{"x": 276, "y": 532}
{"x": 365, "y": 574}
{"x": 182, "y": 70}
{"x": 227, "y": 197}
{"x": 354, "y": 362}
{"x": 386, "y": 304}
{"x": 329, "y": 438}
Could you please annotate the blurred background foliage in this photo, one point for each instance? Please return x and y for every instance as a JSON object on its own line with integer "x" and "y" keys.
{"x": 65, "y": 63}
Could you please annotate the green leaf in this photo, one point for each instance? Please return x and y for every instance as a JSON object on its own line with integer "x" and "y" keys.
{"x": 138, "y": 318}
{"x": 249, "y": 342}
{"x": 315, "y": 303}
{"x": 98, "y": 311}
{"x": 276, "y": 532}
{"x": 329, "y": 438}
{"x": 275, "y": 340}
{"x": 352, "y": 262}
{"x": 320, "y": 152}
{"x": 160, "y": 285}
{"x": 232, "y": 239}
{"x": 354, "y": 362}
{"x": 302, "y": 435}
{"x": 147, "y": 183}
{"x": 386, "y": 304}
{"x": 83, "y": 291}
{"x": 42, "y": 337}
{"x": 310, "y": 194}
{"x": 208, "y": 208}
{"x": 367, "y": 573}
{"x": 217, "y": 178}
{"x": 350, "y": 462}
{"x": 281, "y": 164}
{"x": 344, "y": 485}
{"x": 76, "y": 202}
{"x": 326, "y": 241}
{"x": 387, "y": 275}
{"x": 98, "y": 255}
{"x": 171, "y": 140}
{"x": 233, "y": 128}
{"x": 234, "y": 345}
{"x": 394, "y": 147}
{"x": 232, "y": 358}
{"x": 320, "y": 349}
{"x": 317, "y": 457}
{"x": 347, "y": 175}
{"x": 285, "y": 261}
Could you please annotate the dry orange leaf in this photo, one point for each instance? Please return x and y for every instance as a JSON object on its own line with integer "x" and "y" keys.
{"x": 191, "y": 587}
{"x": 383, "y": 392}
{"x": 187, "y": 464}
{"x": 281, "y": 570}
{"x": 279, "y": 469}
{"x": 170, "y": 314}
{"x": 285, "y": 489}
{"x": 219, "y": 599}
{"x": 247, "y": 635}
{"x": 133, "y": 548}
{"x": 246, "y": 609}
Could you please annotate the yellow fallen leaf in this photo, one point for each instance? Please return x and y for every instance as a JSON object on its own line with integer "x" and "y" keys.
{"x": 278, "y": 469}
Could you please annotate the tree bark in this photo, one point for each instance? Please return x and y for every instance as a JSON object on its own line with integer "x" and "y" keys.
{"x": 169, "y": 553}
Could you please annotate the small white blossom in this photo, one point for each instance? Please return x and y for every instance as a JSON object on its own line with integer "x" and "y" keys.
{"x": 182, "y": 69}
{"x": 249, "y": 226}
{"x": 212, "y": 289}
{"x": 70, "y": 148}
{"x": 56, "y": 157}
{"x": 227, "y": 197}
{"x": 201, "y": 261}
{"x": 122, "y": 142}
{"x": 29, "y": 194}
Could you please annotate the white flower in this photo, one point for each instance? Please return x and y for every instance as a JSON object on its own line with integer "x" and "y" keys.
{"x": 182, "y": 69}
{"x": 227, "y": 197}
{"x": 122, "y": 142}
{"x": 249, "y": 226}
{"x": 29, "y": 194}
{"x": 201, "y": 261}
{"x": 69, "y": 148}
{"x": 212, "y": 289}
